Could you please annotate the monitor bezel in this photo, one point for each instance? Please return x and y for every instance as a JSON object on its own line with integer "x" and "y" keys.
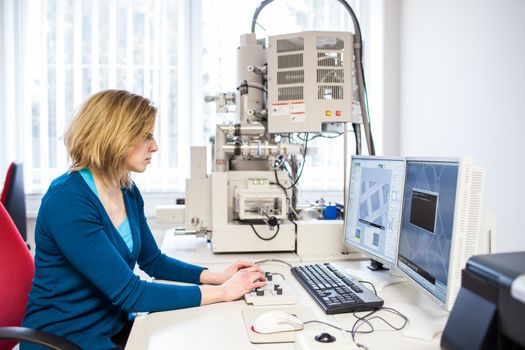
{"x": 359, "y": 248}
{"x": 447, "y": 303}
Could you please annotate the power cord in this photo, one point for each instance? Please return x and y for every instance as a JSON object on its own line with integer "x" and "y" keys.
{"x": 278, "y": 274}
{"x": 296, "y": 180}
{"x": 266, "y": 238}
{"x": 361, "y": 320}
{"x": 260, "y": 262}
{"x": 366, "y": 320}
{"x": 370, "y": 283}
{"x": 361, "y": 346}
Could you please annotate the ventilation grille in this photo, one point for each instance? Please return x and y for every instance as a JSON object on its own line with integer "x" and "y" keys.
{"x": 330, "y": 92}
{"x": 286, "y": 61}
{"x": 332, "y": 69}
{"x": 330, "y": 76}
{"x": 330, "y": 43}
{"x": 290, "y": 61}
{"x": 290, "y": 93}
{"x": 290, "y": 77}
{"x": 470, "y": 221}
{"x": 330, "y": 59}
{"x": 474, "y": 222}
{"x": 329, "y": 68}
{"x": 287, "y": 45}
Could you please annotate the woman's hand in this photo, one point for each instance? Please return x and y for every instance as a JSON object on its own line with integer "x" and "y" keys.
{"x": 241, "y": 282}
{"x": 219, "y": 277}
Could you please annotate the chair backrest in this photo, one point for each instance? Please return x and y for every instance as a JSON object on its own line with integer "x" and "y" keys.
{"x": 16, "y": 274}
{"x": 7, "y": 182}
{"x": 13, "y": 197}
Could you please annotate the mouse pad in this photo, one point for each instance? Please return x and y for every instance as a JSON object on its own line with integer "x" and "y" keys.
{"x": 250, "y": 314}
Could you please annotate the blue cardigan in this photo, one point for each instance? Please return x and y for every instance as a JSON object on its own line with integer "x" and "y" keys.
{"x": 84, "y": 285}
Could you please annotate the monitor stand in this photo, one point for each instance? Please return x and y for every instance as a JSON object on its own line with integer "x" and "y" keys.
{"x": 380, "y": 278}
{"x": 376, "y": 265}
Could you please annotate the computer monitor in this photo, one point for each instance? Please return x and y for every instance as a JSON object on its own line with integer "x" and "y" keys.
{"x": 373, "y": 211}
{"x": 440, "y": 223}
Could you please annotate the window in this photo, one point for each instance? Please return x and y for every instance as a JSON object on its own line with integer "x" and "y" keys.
{"x": 175, "y": 52}
{"x": 76, "y": 48}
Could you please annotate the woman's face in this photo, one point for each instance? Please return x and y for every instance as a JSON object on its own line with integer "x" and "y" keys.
{"x": 140, "y": 155}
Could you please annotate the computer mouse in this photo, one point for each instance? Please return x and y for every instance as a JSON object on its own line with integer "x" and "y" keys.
{"x": 276, "y": 321}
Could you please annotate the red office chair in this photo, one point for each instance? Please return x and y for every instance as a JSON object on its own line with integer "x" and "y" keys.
{"x": 16, "y": 274}
{"x": 13, "y": 197}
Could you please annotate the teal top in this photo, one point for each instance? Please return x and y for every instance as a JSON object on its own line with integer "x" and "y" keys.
{"x": 123, "y": 229}
{"x": 84, "y": 286}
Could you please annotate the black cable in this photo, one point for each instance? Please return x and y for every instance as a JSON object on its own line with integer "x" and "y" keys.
{"x": 260, "y": 262}
{"x": 264, "y": 238}
{"x": 302, "y": 165}
{"x": 365, "y": 94}
{"x": 388, "y": 323}
{"x": 358, "y": 45}
{"x": 281, "y": 160}
{"x": 264, "y": 29}
{"x": 361, "y": 320}
{"x": 288, "y": 201}
{"x": 257, "y": 87}
{"x": 306, "y": 139}
{"x": 357, "y": 27}
{"x": 370, "y": 283}
{"x": 257, "y": 11}
{"x": 355, "y": 22}
{"x": 357, "y": 133}
{"x": 336, "y": 327}
{"x": 329, "y": 137}
{"x": 364, "y": 320}
{"x": 324, "y": 136}
{"x": 300, "y": 172}
{"x": 279, "y": 274}
{"x": 298, "y": 176}
{"x": 253, "y": 86}
{"x": 359, "y": 49}
{"x": 394, "y": 311}
{"x": 294, "y": 167}
{"x": 293, "y": 221}
{"x": 280, "y": 185}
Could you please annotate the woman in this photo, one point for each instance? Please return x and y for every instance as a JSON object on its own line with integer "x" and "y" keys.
{"x": 91, "y": 231}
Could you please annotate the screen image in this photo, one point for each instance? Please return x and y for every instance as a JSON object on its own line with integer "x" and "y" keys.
{"x": 427, "y": 221}
{"x": 374, "y": 206}
{"x": 423, "y": 210}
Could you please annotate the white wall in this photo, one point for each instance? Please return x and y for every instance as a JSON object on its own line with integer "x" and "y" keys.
{"x": 462, "y": 93}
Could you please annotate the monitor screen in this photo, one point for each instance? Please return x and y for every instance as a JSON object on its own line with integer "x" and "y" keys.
{"x": 373, "y": 210}
{"x": 427, "y": 223}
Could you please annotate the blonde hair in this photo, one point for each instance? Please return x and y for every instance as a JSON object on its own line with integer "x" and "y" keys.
{"x": 105, "y": 128}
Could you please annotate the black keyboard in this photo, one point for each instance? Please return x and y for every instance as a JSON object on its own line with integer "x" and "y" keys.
{"x": 334, "y": 290}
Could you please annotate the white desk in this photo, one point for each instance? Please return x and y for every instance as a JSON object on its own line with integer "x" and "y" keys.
{"x": 221, "y": 326}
